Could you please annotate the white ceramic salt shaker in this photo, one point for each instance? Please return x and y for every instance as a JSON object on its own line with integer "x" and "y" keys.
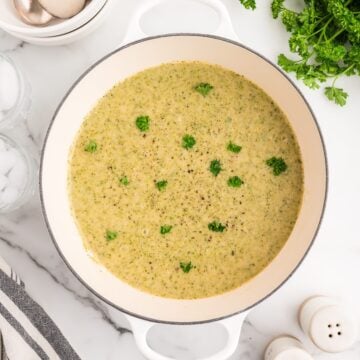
{"x": 330, "y": 326}
{"x": 286, "y": 348}
{"x": 14, "y": 94}
{"x": 17, "y": 175}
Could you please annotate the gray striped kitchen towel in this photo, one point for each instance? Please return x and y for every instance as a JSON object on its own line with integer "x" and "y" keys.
{"x": 26, "y": 331}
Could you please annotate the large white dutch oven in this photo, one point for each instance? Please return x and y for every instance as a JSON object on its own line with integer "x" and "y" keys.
{"x": 144, "y": 309}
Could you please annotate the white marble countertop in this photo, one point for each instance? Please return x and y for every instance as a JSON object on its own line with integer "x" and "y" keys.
{"x": 99, "y": 332}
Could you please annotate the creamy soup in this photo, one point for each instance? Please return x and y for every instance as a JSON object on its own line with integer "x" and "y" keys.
{"x": 185, "y": 180}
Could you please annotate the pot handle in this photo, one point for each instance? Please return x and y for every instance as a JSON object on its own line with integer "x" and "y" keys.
{"x": 224, "y": 29}
{"x": 232, "y": 325}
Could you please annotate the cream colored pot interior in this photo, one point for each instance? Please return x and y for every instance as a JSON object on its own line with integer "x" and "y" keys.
{"x": 84, "y": 96}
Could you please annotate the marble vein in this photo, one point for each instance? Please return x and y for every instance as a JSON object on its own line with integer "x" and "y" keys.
{"x": 86, "y": 300}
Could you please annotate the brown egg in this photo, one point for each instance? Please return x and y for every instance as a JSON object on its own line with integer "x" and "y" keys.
{"x": 32, "y": 13}
{"x": 63, "y": 9}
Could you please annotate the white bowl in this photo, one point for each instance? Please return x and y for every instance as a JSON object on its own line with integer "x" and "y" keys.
{"x": 72, "y": 36}
{"x": 11, "y": 22}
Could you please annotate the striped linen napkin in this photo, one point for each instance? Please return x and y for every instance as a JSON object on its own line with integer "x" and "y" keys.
{"x": 26, "y": 331}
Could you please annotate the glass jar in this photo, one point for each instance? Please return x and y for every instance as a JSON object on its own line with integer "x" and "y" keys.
{"x": 14, "y": 94}
{"x": 17, "y": 175}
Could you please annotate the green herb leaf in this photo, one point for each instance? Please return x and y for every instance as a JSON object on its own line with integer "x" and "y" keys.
{"x": 143, "y": 123}
{"x": 216, "y": 226}
{"x": 249, "y": 4}
{"x": 353, "y": 56}
{"x": 111, "y": 235}
{"x": 287, "y": 64}
{"x": 165, "y": 229}
{"x": 235, "y": 182}
{"x": 203, "y": 88}
{"x": 124, "y": 181}
{"x": 329, "y": 51}
{"x": 215, "y": 167}
{"x": 290, "y": 19}
{"x": 346, "y": 19}
{"x": 278, "y": 165}
{"x": 161, "y": 185}
{"x": 326, "y": 35}
{"x": 276, "y": 8}
{"x": 91, "y": 146}
{"x": 186, "y": 266}
{"x": 337, "y": 95}
{"x": 188, "y": 141}
{"x": 233, "y": 147}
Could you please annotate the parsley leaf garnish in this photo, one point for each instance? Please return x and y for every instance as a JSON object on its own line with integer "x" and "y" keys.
{"x": 215, "y": 167}
{"x": 235, "y": 182}
{"x": 216, "y": 226}
{"x": 188, "y": 141}
{"x": 249, "y": 4}
{"x": 186, "y": 266}
{"x": 165, "y": 229}
{"x": 161, "y": 185}
{"x": 91, "y": 146}
{"x": 143, "y": 123}
{"x": 124, "y": 180}
{"x": 111, "y": 235}
{"x": 277, "y": 164}
{"x": 203, "y": 88}
{"x": 233, "y": 147}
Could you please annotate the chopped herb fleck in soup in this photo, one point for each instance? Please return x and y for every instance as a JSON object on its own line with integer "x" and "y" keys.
{"x": 185, "y": 180}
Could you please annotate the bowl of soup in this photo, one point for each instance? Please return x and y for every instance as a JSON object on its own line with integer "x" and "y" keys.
{"x": 183, "y": 178}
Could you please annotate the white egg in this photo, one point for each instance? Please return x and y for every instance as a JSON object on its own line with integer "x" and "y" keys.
{"x": 63, "y": 9}
{"x": 9, "y": 195}
{"x": 9, "y": 86}
{"x": 3, "y": 181}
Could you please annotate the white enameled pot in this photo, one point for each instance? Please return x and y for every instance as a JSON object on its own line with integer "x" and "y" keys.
{"x": 144, "y": 309}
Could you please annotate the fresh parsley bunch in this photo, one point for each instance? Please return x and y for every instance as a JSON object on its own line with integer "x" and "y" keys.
{"x": 326, "y": 37}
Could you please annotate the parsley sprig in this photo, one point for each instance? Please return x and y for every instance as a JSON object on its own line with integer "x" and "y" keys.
{"x": 111, "y": 235}
{"x": 143, "y": 123}
{"x": 215, "y": 167}
{"x": 325, "y": 35}
{"x": 203, "y": 88}
{"x": 124, "y": 181}
{"x": 249, "y": 4}
{"x": 233, "y": 147}
{"x": 278, "y": 165}
{"x": 165, "y": 229}
{"x": 188, "y": 141}
{"x": 235, "y": 182}
{"x": 216, "y": 226}
{"x": 91, "y": 146}
{"x": 161, "y": 185}
{"x": 186, "y": 266}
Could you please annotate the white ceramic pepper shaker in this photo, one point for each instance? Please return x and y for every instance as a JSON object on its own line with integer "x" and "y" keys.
{"x": 330, "y": 326}
{"x": 286, "y": 348}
